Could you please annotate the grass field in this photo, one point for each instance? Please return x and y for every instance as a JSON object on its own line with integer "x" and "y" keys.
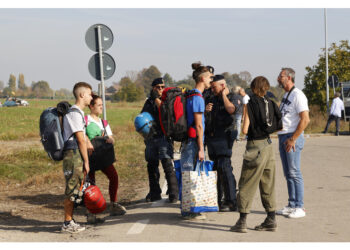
{"x": 32, "y": 164}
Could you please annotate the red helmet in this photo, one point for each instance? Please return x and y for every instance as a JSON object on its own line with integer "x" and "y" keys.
{"x": 93, "y": 200}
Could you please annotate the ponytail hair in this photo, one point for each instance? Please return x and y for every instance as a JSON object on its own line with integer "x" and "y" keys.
{"x": 198, "y": 70}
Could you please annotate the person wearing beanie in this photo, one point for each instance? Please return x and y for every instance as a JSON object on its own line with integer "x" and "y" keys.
{"x": 159, "y": 147}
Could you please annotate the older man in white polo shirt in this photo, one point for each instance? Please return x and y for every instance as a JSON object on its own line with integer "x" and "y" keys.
{"x": 335, "y": 113}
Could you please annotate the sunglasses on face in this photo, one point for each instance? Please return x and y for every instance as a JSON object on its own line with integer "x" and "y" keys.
{"x": 160, "y": 87}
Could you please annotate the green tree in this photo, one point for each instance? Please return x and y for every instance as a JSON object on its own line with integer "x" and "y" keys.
{"x": 12, "y": 83}
{"x": 63, "y": 93}
{"x": 129, "y": 91}
{"x": 187, "y": 83}
{"x": 21, "y": 83}
{"x": 315, "y": 79}
{"x": 41, "y": 89}
{"x": 169, "y": 81}
{"x": 146, "y": 77}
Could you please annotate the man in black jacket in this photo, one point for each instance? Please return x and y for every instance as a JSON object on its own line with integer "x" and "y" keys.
{"x": 220, "y": 135}
{"x": 158, "y": 147}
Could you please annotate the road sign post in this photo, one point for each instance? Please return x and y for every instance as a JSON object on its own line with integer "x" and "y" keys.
{"x": 99, "y": 38}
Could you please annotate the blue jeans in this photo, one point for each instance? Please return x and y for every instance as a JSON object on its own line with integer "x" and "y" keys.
{"x": 238, "y": 118}
{"x": 291, "y": 170}
{"x": 188, "y": 158}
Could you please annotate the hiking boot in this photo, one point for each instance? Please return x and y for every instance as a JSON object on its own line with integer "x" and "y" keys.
{"x": 173, "y": 198}
{"x": 72, "y": 227}
{"x": 117, "y": 209}
{"x": 285, "y": 211}
{"x": 240, "y": 227}
{"x": 336, "y": 133}
{"x": 297, "y": 213}
{"x": 153, "y": 197}
{"x": 92, "y": 219}
{"x": 194, "y": 216}
{"x": 269, "y": 224}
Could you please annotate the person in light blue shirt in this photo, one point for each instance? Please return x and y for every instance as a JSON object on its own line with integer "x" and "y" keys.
{"x": 335, "y": 113}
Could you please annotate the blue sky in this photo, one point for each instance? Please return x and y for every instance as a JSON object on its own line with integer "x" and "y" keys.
{"x": 49, "y": 44}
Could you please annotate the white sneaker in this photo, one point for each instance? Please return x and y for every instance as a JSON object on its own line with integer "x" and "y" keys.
{"x": 72, "y": 227}
{"x": 285, "y": 211}
{"x": 297, "y": 213}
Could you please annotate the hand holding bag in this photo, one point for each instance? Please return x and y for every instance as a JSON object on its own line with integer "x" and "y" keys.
{"x": 199, "y": 190}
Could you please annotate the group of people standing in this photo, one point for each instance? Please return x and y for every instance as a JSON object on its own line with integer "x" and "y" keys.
{"x": 214, "y": 117}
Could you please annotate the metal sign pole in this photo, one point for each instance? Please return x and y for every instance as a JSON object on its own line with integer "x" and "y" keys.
{"x": 101, "y": 71}
{"x": 333, "y": 85}
{"x": 326, "y": 50}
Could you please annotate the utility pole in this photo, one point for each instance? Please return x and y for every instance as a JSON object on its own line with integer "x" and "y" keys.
{"x": 326, "y": 50}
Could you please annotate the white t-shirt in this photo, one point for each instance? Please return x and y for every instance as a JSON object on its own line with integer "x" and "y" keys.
{"x": 73, "y": 122}
{"x": 337, "y": 107}
{"x": 100, "y": 125}
{"x": 290, "y": 109}
{"x": 246, "y": 99}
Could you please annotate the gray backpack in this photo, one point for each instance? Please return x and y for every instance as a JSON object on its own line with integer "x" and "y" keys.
{"x": 51, "y": 129}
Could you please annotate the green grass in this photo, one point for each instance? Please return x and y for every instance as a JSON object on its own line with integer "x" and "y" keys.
{"x": 23, "y": 122}
{"x": 24, "y": 164}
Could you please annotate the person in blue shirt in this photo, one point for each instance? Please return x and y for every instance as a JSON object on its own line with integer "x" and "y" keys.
{"x": 193, "y": 149}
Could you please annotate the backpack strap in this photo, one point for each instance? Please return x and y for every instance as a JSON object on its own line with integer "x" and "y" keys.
{"x": 191, "y": 132}
{"x": 86, "y": 120}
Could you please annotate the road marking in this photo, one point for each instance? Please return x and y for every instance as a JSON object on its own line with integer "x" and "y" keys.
{"x": 138, "y": 227}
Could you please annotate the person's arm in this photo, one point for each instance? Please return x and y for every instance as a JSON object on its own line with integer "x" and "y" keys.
{"x": 246, "y": 121}
{"x": 89, "y": 146}
{"x": 199, "y": 131}
{"x": 230, "y": 108}
{"x": 83, "y": 150}
{"x": 304, "y": 121}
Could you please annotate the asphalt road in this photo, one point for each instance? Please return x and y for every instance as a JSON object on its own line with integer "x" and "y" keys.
{"x": 326, "y": 172}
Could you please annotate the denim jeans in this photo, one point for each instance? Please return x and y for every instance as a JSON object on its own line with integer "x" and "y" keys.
{"x": 238, "y": 118}
{"x": 291, "y": 170}
{"x": 337, "y": 123}
{"x": 189, "y": 152}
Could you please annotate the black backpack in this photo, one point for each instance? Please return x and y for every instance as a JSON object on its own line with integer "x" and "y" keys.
{"x": 51, "y": 129}
{"x": 265, "y": 116}
{"x": 172, "y": 113}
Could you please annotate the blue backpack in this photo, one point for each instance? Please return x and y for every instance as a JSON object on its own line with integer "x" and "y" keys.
{"x": 51, "y": 129}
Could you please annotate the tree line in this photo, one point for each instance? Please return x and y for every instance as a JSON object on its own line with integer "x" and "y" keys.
{"x": 136, "y": 85}
{"x": 40, "y": 89}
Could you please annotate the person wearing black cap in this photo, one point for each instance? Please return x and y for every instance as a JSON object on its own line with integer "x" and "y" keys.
{"x": 158, "y": 147}
{"x": 220, "y": 136}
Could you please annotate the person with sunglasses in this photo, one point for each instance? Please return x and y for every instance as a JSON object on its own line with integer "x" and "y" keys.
{"x": 158, "y": 147}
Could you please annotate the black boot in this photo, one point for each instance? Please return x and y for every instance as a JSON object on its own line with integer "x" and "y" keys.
{"x": 241, "y": 224}
{"x": 170, "y": 177}
{"x": 269, "y": 224}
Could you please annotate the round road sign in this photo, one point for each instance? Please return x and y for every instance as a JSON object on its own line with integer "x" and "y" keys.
{"x": 108, "y": 66}
{"x": 91, "y": 37}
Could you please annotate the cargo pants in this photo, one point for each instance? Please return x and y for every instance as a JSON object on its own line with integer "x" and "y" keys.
{"x": 73, "y": 171}
{"x": 258, "y": 169}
